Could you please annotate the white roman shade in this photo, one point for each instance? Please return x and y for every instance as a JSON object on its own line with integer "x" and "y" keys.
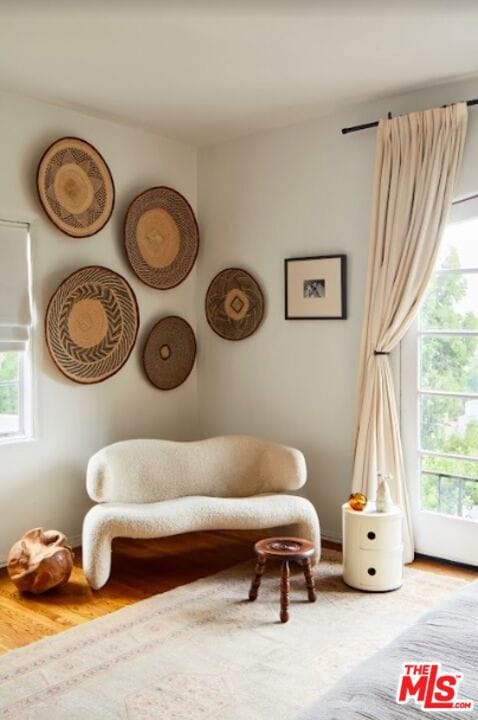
{"x": 15, "y": 286}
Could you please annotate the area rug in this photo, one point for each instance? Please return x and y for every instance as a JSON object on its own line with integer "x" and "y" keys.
{"x": 203, "y": 651}
{"x": 447, "y": 636}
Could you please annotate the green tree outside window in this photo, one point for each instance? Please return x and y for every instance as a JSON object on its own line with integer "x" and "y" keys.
{"x": 448, "y": 364}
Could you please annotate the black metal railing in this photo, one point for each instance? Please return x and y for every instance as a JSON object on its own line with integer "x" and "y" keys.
{"x": 460, "y": 479}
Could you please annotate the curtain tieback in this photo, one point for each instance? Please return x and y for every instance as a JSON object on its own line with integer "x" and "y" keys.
{"x": 380, "y": 352}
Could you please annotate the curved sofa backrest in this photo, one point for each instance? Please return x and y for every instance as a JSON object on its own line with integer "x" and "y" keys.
{"x": 141, "y": 471}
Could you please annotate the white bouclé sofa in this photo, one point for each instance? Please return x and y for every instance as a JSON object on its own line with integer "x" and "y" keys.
{"x": 156, "y": 488}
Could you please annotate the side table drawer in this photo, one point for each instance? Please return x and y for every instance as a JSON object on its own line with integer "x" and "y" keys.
{"x": 376, "y": 534}
{"x": 381, "y": 570}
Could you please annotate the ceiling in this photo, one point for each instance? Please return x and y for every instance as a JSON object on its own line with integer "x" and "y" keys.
{"x": 207, "y": 71}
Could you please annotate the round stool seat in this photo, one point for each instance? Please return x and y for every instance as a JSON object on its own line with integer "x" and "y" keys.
{"x": 285, "y": 550}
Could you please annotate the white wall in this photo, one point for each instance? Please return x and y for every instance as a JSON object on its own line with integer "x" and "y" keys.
{"x": 42, "y": 482}
{"x": 304, "y": 190}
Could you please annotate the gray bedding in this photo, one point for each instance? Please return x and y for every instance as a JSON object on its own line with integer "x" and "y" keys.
{"x": 448, "y": 634}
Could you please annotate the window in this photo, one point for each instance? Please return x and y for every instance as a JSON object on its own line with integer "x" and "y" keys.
{"x": 448, "y": 377}
{"x": 14, "y": 391}
{"x": 439, "y": 392}
{"x": 15, "y": 325}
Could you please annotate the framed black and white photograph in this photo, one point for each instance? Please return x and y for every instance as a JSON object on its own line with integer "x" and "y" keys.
{"x": 316, "y": 288}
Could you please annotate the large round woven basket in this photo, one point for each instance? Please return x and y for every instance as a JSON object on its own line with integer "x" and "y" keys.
{"x": 234, "y": 304}
{"x": 91, "y": 324}
{"x": 75, "y": 187}
{"x": 169, "y": 352}
{"x": 161, "y": 237}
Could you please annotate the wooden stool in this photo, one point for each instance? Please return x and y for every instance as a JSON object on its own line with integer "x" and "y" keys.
{"x": 286, "y": 550}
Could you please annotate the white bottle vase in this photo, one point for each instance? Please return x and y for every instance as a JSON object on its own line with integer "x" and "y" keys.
{"x": 384, "y": 501}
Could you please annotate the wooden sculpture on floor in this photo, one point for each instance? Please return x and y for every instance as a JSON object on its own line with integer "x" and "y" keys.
{"x": 40, "y": 560}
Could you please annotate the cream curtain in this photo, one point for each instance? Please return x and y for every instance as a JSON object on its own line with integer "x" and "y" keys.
{"x": 417, "y": 161}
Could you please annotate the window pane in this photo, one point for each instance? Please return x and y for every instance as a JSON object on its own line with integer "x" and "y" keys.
{"x": 9, "y": 366}
{"x": 451, "y": 302}
{"x": 9, "y": 393}
{"x": 459, "y": 245}
{"x": 451, "y": 466}
{"x": 9, "y": 418}
{"x": 449, "y": 363}
{"x": 450, "y": 486}
{"x": 449, "y": 425}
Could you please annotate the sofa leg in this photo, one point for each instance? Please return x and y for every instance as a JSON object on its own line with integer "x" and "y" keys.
{"x": 96, "y": 558}
{"x": 255, "y": 585}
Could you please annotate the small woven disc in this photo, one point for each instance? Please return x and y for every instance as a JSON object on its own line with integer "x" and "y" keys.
{"x": 169, "y": 352}
{"x": 234, "y": 304}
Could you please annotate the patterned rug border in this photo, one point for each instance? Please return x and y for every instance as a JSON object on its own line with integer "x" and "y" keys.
{"x": 129, "y": 612}
{"x": 130, "y": 635}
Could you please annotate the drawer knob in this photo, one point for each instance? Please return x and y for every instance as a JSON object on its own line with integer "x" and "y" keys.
{"x": 371, "y": 571}
{"x": 371, "y": 535}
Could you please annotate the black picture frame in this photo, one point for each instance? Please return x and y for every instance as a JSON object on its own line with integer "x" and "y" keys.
{"x": 339, "y": 277}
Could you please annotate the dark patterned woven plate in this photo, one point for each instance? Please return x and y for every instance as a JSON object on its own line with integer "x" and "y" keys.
{"x": 169, "y": 353}
{"x": 91, "y": 324}
{"x": 234, "y": 304}
{"x": 161, "y": 237}
{"x": 75, "y": 187}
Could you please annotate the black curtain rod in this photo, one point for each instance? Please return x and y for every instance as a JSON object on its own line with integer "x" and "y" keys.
{"x": 366, "y": 126}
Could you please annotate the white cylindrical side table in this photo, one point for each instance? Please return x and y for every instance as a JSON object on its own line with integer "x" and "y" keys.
{"x": 372, "y": 548}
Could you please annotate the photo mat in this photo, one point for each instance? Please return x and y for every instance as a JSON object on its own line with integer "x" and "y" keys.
{"x": 315, "y": 288}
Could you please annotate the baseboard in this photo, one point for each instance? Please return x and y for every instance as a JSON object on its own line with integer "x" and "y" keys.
{"x": 75, "y": 541}
{"x": 331, "y": 535}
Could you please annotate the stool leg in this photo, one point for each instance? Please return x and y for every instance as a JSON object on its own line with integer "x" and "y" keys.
{"x": 284, "y": 591}
{"x": 260, "y": 566}
{"x": 309, "y": 580}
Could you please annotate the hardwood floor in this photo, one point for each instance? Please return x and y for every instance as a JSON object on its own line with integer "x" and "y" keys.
{"x": 140, "y": 569}
{"x": 440, "y": 567}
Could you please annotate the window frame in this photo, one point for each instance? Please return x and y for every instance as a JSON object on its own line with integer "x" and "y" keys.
{"x": 26, "y": 377}
{"x": 431, "y": 526}
{"x": 25, "y": 400}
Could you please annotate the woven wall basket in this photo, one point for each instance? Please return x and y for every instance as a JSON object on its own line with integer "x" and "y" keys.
{"x": 75, "y": 187}
{"x": 161, "y": 237}
{"x": 234, "y": 304}
{"x": 91, "y": 324}
{"x": 169, "y": 353}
